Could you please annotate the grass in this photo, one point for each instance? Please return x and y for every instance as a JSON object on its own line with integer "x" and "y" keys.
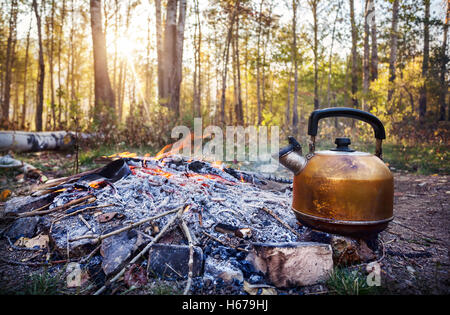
{"x": 43, "y": 283}
{"x": 350, "y": 282}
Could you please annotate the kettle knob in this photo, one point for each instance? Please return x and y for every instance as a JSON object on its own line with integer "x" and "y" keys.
{"x": 342, "y": 145}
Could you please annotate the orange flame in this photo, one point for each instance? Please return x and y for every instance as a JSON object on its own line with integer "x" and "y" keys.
{"x": 125, "y": 154}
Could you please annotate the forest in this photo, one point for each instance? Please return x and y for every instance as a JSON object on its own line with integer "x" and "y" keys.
{"x": 134, "y": 69}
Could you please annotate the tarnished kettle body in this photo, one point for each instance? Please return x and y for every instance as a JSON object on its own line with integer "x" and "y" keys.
{"x": 341, "y": 191}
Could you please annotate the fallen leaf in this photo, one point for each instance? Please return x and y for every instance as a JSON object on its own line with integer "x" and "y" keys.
{"x": 5, "y": 194}
{"x": 105, "y": 217}
{"x": 40, "y": 241}
{"x": 135, "y": 276}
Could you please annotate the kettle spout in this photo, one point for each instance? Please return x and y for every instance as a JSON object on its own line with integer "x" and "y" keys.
{"x": 291, "y": 157}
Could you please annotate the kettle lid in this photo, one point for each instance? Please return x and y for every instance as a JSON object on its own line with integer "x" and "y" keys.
{"x": 342, "y": 147}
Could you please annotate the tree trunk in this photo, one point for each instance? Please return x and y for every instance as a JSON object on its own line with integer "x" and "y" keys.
{"x": 354, "y": 75}
{"x": 330, "y": 59}
{"x": 374, "y": 56}
{"x": 159, "y": 49}
{"x": 24, "y": 104}
{"x": 41, "y": 72}
{"x": 258, "y": 66}
{"x": 170, "y": 53}
{"x": 313, "y": 4}
{"x": 426, "y": 57}
{"x": 239, "y": 112}
{"x": 288, "y": 100}
{"x": 104, "y": 96}
{"x": 197, "y": 57}
{"x": 225, "y": 58}
{"x": 10, "y": 55}
{"x": 295, "y": 119}
{"x": 175, "y": 84}
{"x": 444, "y": 86}
{"x": 366, "y": 66}
{"x": 19, "y": 141}
{"x": 393, "y": 54}
{"x": 60, "y": 39}
{"x": 50, "y": 63}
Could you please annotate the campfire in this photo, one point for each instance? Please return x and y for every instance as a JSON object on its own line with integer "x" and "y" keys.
{"x": 179, "y": 217}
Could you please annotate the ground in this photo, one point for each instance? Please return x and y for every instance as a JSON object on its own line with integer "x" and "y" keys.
{"x": 413, "y": 253}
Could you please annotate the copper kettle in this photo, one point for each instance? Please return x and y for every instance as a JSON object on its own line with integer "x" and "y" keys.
{"x": 341, "y": 190}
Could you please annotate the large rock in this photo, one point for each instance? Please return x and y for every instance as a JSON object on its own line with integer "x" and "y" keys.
{"x": 293, "y": 264}
{"x": 25, "y": 227}
{"x": 172, "y": 261}
{"x": 118, "y": 249}
{"x": 223, "y": 269}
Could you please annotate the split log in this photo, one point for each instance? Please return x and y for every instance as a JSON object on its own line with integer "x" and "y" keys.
{"x": 21, "y": 141}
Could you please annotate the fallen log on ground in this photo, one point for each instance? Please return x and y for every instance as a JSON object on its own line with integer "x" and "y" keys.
{"x": 22, "y": 141}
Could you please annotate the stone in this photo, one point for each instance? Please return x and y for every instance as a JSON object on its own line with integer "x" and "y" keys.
{"x": 221, "y": 269}
{"x": 172, "y": 261}
{"x": 292, "y": 264}
{"x": 23, "y": 227}
{"x": 117, "y": 249}
{"x": 348, "y": 251}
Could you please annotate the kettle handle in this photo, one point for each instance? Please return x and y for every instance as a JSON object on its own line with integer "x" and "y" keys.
{"x": 319, "y": 114}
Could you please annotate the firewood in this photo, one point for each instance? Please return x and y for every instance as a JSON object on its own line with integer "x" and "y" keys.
{"x": 99, "y": 238}
{"x": 81, "y": 210}
{"x": 187, "y": 233}
{"x": 62, "y": 207}
{"x": 141, "y": 253}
